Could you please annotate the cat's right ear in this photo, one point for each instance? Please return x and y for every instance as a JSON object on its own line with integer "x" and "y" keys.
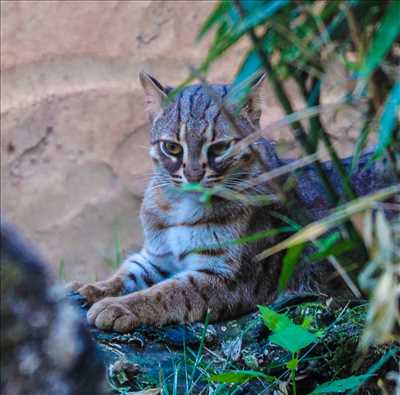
{"x": 155, "y": 94}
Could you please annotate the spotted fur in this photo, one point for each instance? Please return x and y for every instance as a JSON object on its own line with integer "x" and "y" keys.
{"x": 189, "y": 264}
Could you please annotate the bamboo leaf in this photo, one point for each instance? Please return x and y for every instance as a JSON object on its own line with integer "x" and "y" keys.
{"x": 388, "y": 120}
{"x": 249, "y": 68}
{"x": 259, "y": 14}
{"x": 216, "y": 16}
{"x": 383, "y": 39}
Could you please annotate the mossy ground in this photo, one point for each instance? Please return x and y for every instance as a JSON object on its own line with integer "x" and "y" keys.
{"x": 181, "y": 359}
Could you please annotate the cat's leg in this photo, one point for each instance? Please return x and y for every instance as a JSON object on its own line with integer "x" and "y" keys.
{"x": 184, "y": 298}
{"x": 137, "y": 272}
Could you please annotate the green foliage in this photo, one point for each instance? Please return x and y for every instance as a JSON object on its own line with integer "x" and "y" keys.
{"x": 339, "y": 386}
{"x": 383, "y": 39}
{"x": 388, "y": 120}
{"x": 299, "y": 41}
{"x": 286, "y": 334}
{"x": 290, "y": 260}
{"x": 289, "y": 336}
{"x": 240, "y": 376}
{"x": 332, "y": 245}
{"x": 318, "y": 228}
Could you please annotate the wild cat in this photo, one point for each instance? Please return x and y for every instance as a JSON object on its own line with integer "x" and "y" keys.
{"x": 189, "y": 264}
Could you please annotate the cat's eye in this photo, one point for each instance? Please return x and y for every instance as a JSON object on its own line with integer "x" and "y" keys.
{"x": 219, "y": 149}
{"x": 171, "y": 148}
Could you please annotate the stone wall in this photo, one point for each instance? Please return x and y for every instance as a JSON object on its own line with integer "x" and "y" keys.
{"x": 73, "y": 129}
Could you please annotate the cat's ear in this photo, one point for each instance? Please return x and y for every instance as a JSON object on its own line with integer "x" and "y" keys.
{"x": 155, "y": 94}
{"x": 253, "y": 105}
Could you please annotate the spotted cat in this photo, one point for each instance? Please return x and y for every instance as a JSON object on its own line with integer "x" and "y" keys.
{"x": 189, "y": 264}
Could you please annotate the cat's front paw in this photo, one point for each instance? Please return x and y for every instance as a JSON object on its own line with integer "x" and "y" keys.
{"x": 94, "y": 292}
{"x": 112, "y": 314}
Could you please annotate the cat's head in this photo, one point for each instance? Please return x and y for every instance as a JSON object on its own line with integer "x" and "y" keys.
{"x": 191, "y": 138}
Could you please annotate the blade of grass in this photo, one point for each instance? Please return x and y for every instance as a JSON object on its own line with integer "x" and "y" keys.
{"x": 318, "y": 228}
{"x": 290, "y": 261}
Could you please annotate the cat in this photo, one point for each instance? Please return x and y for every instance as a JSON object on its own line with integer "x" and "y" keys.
{"x": 189, "y": 265}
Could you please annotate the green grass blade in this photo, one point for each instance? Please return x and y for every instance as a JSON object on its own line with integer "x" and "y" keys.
{"x": 290, "y": 260}
{"x": 337, "y": 249}
{"x": 240, "y": 376}
{"x": 342, "y": 385}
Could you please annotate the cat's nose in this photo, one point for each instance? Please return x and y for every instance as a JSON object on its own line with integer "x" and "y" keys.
{"x": 194, "y": 174}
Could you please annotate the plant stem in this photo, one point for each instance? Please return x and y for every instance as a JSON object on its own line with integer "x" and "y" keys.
{"x": 293, "y": 376}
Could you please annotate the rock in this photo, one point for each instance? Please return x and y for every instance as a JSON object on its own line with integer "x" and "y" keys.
{"x": 74, "y": 130}
{"x": 45, "y": 347}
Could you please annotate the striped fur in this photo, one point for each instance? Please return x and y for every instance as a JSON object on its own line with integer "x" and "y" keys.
{"x": 188, "y": 264}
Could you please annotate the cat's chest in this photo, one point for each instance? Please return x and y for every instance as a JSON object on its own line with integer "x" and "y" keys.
{"x": 189, "y": 227}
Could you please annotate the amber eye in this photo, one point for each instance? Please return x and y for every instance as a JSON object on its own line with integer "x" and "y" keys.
{"x": 219, "y": 149}
{"x": 171, "y": 148}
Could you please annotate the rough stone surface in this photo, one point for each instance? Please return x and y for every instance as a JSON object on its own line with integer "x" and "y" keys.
{"x": 73, "y": 129}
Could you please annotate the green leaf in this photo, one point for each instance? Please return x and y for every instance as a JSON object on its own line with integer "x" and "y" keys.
{"x": 308, "y": 320}
{"x": 259, "y": 14}
{"x": 273, "y": 320}
{"x": 232, "y": 28}
{"x": 388, "y": 120}
{"x": 383, "y": 39}
{"x": 240, "y": 376}
{"x": 286, "y": 334}
{"x": 293, "y": 338}
{"x": 241, "y": 86}
{"x": 342, "y": 385}
{"x": 216, "y": 16}
{"x": 290, "y": 260}
{"x": 333, "y": 250}
{"x": 292, "y": 364}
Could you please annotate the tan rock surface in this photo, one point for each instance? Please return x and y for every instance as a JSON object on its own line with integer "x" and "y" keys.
{"x": 74, "y": 141}
{"x": 73, "y": 129}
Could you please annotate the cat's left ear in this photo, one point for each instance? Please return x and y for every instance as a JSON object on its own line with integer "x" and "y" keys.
{"x": 252, "y": 108}
{"x": 155, "y": 94}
